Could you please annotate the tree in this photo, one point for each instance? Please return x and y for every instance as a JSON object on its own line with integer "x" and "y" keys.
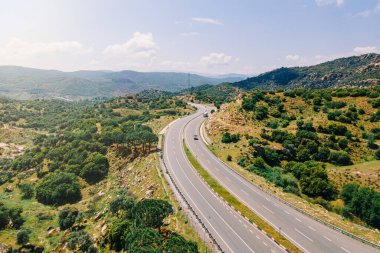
{"x": 348, "y": 191}
{"x": 151, "y": 212}
{"x": 143, "y": 239}
{"x": 58, "y": 188}
{"x": 119, "y": 229}
{"x": 67, "y": 217}
{"x": 179, "y": 244}
{"x": 95, "y": 168}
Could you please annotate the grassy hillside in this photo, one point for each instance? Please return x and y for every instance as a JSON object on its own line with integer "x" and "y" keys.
{"x": 87, "y": 178}
{"x": 355, "y": 70}
{"x": 28, "y": 83}
{"x": 312, "y": 145}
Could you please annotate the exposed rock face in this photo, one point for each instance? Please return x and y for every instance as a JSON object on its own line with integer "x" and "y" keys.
{"x": 5, "y": 248}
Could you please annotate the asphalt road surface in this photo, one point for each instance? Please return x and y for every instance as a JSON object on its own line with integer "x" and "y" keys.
{"x": 308, "y": 234}
{"x": 231, "y": 231}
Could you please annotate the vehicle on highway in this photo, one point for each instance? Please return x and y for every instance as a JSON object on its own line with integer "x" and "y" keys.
{"x": 205, "y": 114}
{"x": 195, "y": 137}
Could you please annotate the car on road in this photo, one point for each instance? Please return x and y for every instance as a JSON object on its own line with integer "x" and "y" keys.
{"x": 195, "y": 137}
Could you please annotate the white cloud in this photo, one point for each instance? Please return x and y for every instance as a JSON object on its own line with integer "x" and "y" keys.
{"x": 214, "y": 59}
{"x": 18, "y": 48}
{"x": 206, "y": 21}
{"x": 329, "y": 2}
{"x": 189, "y": 34}
{"x": 292, "y": 57}
{"x": 140, "y": 46}
{"x": 366, "y": 50}
{"x": 367, "y": 13}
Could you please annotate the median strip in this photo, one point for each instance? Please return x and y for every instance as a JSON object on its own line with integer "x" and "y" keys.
{"x": 240, "y": 207}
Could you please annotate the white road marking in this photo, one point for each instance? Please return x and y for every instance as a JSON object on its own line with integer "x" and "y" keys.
{"x": 258, "y": 237}
{"x": 311, "y": 228}
{"x": 345, "y": 250}
{"x": 251, "y": 231}
{"x": 299, "y": 220}
{"x": 276, "y": 205}
{"x": 268, "y": 209}
{"x": 304, "y": 235}
{"x": 244, "y": 192}
{"x": 328, "y": 239}
{"x": 286, "y": 212}
{"x": 265, "y": 244}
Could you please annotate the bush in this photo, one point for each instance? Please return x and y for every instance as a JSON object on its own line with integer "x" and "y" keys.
{"x": 228, "y": 138}
{"x": 67, "y": 217}
{"x": 58, "y": 188}
{"x": 229, "y": 158}
{"x": 80, "y": 241}
{"x": 10, "y": 217}
{"x": 340, "y": 158}
{"x": 343, "y": 143}
{"x": 377, "y": 154}
{"x": 27, "y": 191}
{"x": 261, "y": 112}
{"x": 22, "y": 237}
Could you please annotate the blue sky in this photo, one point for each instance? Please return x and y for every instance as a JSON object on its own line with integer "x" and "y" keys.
{"x": 202, "y": 36}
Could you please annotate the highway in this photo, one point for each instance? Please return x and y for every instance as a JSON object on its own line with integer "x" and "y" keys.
{"x": 309, "y": 235}
{"x": 231, "y": 231}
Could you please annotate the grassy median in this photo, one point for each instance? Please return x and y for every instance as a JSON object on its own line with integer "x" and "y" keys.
{"x": 244, "y": 210}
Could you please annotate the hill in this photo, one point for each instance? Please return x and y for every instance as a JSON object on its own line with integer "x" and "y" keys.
{"x": 29, "y": 83}
{"x": 308, "y": 146}
{"x": 355, "y": 70}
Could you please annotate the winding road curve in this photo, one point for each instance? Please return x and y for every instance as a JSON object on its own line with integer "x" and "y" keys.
{"x": 231, "y": 231}
{"x": 308, "y": 234}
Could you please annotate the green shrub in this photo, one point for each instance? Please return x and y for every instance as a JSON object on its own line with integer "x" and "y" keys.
{"x": 95, "y": 168}
{"x": 58, "y": 188}
{"x": 80, "y": 241}
{"x": 67, "y": 217}
{"x": 377, "y": 154}
{"x": 22, "y": 237}
{"x": 27, "y": 191}
{"x": 177, "y": 244}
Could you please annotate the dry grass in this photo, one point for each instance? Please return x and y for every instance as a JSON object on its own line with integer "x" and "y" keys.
{"x": 366, "y": 174}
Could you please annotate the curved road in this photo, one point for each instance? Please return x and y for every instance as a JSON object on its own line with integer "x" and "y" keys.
{"x": 308, "y": 234}
{"x": 231, "y": 231}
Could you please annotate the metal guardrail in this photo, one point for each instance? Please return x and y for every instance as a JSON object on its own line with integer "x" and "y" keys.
{"x": 184, "y": 199}
{"x": 345, "y": 232}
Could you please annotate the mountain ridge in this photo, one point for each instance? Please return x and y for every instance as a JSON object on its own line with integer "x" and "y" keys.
{"x": 30, "y": 83}
{"x": 353, "y": 70}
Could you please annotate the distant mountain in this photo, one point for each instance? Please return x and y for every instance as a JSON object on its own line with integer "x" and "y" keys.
{"x": 29, "y": 83}
{"x": 355, "y": 70}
